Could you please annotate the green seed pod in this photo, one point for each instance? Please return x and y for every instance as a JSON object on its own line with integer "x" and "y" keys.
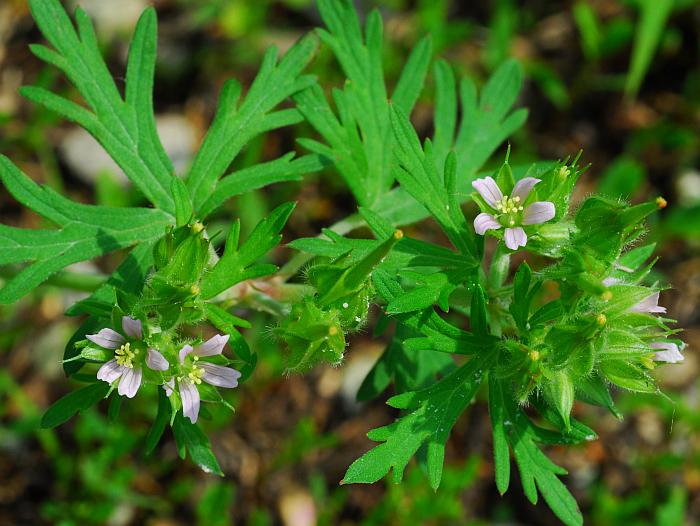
{"x": 188, "y": 259}
{"x": 312, "y": 336}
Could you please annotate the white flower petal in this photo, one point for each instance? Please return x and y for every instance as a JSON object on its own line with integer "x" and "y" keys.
{"x": 187, "y": 349}
{"x": 538, "y": 212}
{"x": 132, "y": 327}
{"x": 669, "y": 353}
{"x": 219, "y": 375}
{"x": 515, "y": 238}
{"x": 523, "y": 187}
{"x": 190, "y": 400}
{"x": 610, "y": 281}
{"x": 156, "y": 361}
{"x": 213, "y": 346}
{"x": 107, "y": 338}
{"x": 130, "y": 382}
{"x": 484, "y": 222}
{"x": 489, "y": 190}
{"x": 649, "y": 305}
{"x": 110, "y": 371}
{"x": 169, "y": 386}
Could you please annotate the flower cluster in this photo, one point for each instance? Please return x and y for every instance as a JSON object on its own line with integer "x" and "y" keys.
{"x": 185, "y": 370}
{"x": 521, "y": 209}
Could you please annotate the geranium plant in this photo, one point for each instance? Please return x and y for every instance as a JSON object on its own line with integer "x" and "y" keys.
{"x": 577, "y": 318}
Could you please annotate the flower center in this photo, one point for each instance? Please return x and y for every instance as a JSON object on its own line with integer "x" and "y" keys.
{"x": 125, "y": 356}
{"x": 509, "y": 207}
{"x": 192, "y": 373}
{"x": 195, "y": 375}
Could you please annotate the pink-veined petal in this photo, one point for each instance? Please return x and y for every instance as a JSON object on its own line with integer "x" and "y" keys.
{"x": 523, "y": 187}
{"x": 669, "y": 352}
{"x": 110, "y": 371}
{"x": 107, "y": 338}
{"x": 190, "y": 400}
{"x": 186, "y": 349}
{"x": 156, "y": 361}
{"x": 649, "y": 305}
{"x": 489, "y": 190}
{"x": 219, "y": 375}
{"x": 515, "y": 238}
{"x": 213, "y": 346}
{"x": 169, "y": 386}
{"x": 132, "y": 327}
{"x": 130, "y": 382}
{"x": 484, "y": 222}
{"x": 538, "y": 212}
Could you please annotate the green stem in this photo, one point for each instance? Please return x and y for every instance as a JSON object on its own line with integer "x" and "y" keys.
{"x": 497, "y": 274}
{"x": 500, "y": 264}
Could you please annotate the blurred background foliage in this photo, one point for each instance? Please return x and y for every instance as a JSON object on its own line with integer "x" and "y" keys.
{"x": 618, "y": 78}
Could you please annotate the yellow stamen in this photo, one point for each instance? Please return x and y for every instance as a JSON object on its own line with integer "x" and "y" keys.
{"x": 661, "y": 202}
{"x": 534, "y": 355}
{"x": 607, "y": 295}
{"x": 508, "y": 205}
{"x": 124, "y": 356}
{"x": 601, "y": 319}
{"x": 195, "y": 375}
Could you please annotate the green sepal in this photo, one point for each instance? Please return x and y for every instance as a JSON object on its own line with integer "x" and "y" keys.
{"x": 627, "y": 375}
{"x": 92, "y": 354}
{"x": 504, "y": 177}
{"x": 558, "y": 389}
{"x": 593, "y": 390}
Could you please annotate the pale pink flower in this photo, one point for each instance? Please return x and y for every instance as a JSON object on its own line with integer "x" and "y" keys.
{"x": 196, "y": 371}
{"x": 669, "y": 352}
{"x": 649, "y": 305}
{"x": 510, "y": 212}
{"x": 126, "y": 364}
